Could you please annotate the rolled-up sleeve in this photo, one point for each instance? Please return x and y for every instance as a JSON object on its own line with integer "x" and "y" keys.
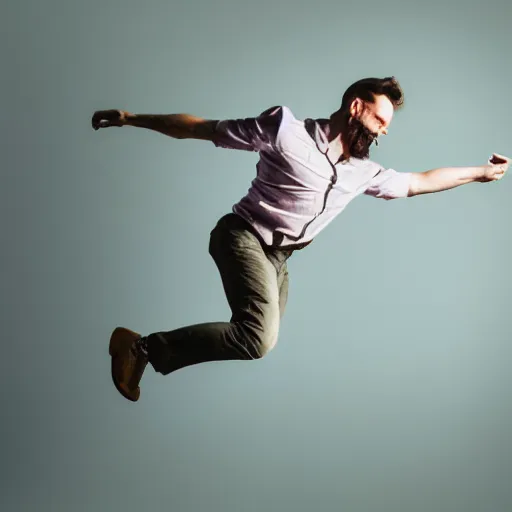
{"x": 389, "y": 184}
{"x": 250, "y": 134}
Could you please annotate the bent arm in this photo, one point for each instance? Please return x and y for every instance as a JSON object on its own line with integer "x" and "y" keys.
{"x": 177, "y": 126}
{"x": 445, "y": 178}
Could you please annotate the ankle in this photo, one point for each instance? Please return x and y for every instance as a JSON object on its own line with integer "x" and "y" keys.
{"x": 142, "y": 346}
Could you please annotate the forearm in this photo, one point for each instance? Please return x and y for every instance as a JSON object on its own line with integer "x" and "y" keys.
{"x": 178, "y": 126}
{"x": 445, "y": 178}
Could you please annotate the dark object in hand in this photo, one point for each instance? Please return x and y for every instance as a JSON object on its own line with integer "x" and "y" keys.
{"x": 496, "y": 160}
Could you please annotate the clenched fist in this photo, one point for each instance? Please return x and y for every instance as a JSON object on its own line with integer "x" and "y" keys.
{"x": 496, "y": 168}
{"x": 107, "y": 118}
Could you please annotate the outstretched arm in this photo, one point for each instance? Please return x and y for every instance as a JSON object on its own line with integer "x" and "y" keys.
{"x": 178, "y": 126}
{"x": 250, "y": 134}
{"x": 438, "y": 180}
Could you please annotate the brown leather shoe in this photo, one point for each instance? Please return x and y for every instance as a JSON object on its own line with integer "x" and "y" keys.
{"x": 128, "y": 363}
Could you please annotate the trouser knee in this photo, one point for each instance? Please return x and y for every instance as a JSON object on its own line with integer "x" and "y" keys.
{"x": 259, "y": 342}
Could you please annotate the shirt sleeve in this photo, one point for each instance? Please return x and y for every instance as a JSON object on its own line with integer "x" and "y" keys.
{"x": 251, "y": 134}
{"x": 389, "y": 184}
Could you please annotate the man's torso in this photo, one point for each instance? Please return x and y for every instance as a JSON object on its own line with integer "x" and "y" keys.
{"x": 298, "y": 189}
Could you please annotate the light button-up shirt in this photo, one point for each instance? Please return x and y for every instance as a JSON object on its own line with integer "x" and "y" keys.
{"x": 298, "y": 190}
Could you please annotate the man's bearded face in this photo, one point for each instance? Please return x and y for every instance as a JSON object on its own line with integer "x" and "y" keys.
{"x": 359, "y": 138}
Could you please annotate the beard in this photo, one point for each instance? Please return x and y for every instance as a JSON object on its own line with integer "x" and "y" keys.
{"x": 358, "y": 138}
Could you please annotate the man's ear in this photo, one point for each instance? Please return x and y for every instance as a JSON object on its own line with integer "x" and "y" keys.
{"x": 356, "y": 107}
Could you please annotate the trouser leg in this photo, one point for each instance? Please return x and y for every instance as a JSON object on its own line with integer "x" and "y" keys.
{"x": 256, "y": 289}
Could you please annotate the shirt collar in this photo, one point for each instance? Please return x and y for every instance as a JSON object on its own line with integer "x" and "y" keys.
{"x": 319, "y": 130}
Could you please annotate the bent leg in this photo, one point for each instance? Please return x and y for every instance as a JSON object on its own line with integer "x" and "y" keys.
{"x": 250, "y": 282}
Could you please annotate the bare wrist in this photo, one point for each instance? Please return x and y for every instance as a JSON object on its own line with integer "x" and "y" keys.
{"x": 479, "y": 173}
{"x": 127, "y": 118}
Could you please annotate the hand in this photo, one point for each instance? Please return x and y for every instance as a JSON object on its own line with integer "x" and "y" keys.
{"x": 107, "y": 118}
{"x": 496, "y": 168}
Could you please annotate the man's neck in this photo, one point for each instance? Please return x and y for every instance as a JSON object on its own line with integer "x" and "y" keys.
{"x": 335, "y": 149}
{"x": 335, "y": 137}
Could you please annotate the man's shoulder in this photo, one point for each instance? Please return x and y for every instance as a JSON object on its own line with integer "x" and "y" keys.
{"x": 277, "y": 120}
{"x": 372, "y": 164}
{"x": 277, "y": 112}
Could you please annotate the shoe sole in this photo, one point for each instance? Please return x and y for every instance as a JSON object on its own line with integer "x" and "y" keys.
{"x": 120, "y": 341}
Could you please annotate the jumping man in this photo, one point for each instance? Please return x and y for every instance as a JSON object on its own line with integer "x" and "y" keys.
{"x": 308, "y": 171}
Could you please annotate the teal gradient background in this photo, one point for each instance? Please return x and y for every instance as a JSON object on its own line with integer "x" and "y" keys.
{"x": 389, "y": 389}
